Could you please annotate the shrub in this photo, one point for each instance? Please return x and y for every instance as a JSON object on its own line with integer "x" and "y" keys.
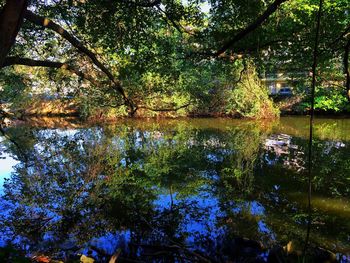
{"x": 250, "y": 98}
{"x": 329, "y": 99}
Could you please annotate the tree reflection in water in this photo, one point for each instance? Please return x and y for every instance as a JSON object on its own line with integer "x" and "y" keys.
{"x": 170, "y": 192}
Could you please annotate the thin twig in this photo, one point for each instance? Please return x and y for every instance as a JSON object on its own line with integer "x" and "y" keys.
{"x": 312, "y": 113}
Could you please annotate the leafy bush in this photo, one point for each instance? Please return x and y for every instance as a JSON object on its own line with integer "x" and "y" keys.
{"x": 250, "y": 98}
{"x": 329, "y": 99}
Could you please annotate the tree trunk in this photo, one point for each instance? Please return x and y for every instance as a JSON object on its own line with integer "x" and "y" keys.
{"x": 11, "y": 18}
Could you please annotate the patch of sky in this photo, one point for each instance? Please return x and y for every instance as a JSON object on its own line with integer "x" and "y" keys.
{"x": 200, "y": 211}
{"x": 6, "y": 165}
{"x": 202, "y": 221}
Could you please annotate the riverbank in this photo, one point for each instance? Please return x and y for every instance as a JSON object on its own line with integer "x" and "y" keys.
{"x": 287, "y": 106}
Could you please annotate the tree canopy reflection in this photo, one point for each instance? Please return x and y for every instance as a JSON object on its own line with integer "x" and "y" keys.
{"x": 167, "y": 192}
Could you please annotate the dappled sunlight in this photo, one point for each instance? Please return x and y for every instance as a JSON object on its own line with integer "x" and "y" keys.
{"x": 54, "y": 107}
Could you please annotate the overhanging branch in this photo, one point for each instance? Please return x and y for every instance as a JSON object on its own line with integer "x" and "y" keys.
{"x": 50, "y": 64}
{"x": 261, "y": 19}
{"x": 47, "y": 23}
{"x": 31, "y": 62}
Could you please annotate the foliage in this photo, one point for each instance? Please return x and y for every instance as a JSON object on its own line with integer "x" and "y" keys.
{"x": 330, "y": 99}
{"x": 11, "y": 254}
{"x": 162, "y": 54}
{"x": 250, "y": 98}
{"x": 11, "y": 86}
{"x": 148, "y": 183}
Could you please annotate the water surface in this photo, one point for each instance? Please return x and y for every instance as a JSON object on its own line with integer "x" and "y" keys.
{"x": 174, "y": 190}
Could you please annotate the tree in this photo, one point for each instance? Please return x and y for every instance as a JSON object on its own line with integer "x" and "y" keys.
{"x": 140, "y": 22}
{"x": 114, "y": 47}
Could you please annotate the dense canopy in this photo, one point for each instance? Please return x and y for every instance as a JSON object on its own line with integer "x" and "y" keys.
{"x": 185, "y": 57}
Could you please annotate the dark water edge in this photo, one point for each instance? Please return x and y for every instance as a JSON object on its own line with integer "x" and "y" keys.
{"x": 188, "y": 190}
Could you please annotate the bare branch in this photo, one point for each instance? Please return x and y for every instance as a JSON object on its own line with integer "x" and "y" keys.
{"x": 164, "y": 109}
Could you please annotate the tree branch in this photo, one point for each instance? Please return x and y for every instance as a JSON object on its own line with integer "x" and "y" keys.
{"x": 311, "y": 123}
{"x": 347, "y": 30}
{"x": 172, "y": 22}
{"x": 31, "y": 62}
{"x": 50, "y": 64}
{"x": 261, "y": 19}
{"x": 164, "y": 109}
{"x": 47, "y": 23}
{"x": 144, "y": 4}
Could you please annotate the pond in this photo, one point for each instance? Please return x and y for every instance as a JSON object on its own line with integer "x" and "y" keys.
{"x": 188, "y": 190}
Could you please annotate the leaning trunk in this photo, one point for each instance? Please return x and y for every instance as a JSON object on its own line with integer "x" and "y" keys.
{"x": 11, "y": 18}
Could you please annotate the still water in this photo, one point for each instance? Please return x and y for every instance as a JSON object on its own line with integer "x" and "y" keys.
{"x": 175, "y": 190}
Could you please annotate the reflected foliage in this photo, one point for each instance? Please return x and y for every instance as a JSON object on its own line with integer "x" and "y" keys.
{"x": 171, "y": 191}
